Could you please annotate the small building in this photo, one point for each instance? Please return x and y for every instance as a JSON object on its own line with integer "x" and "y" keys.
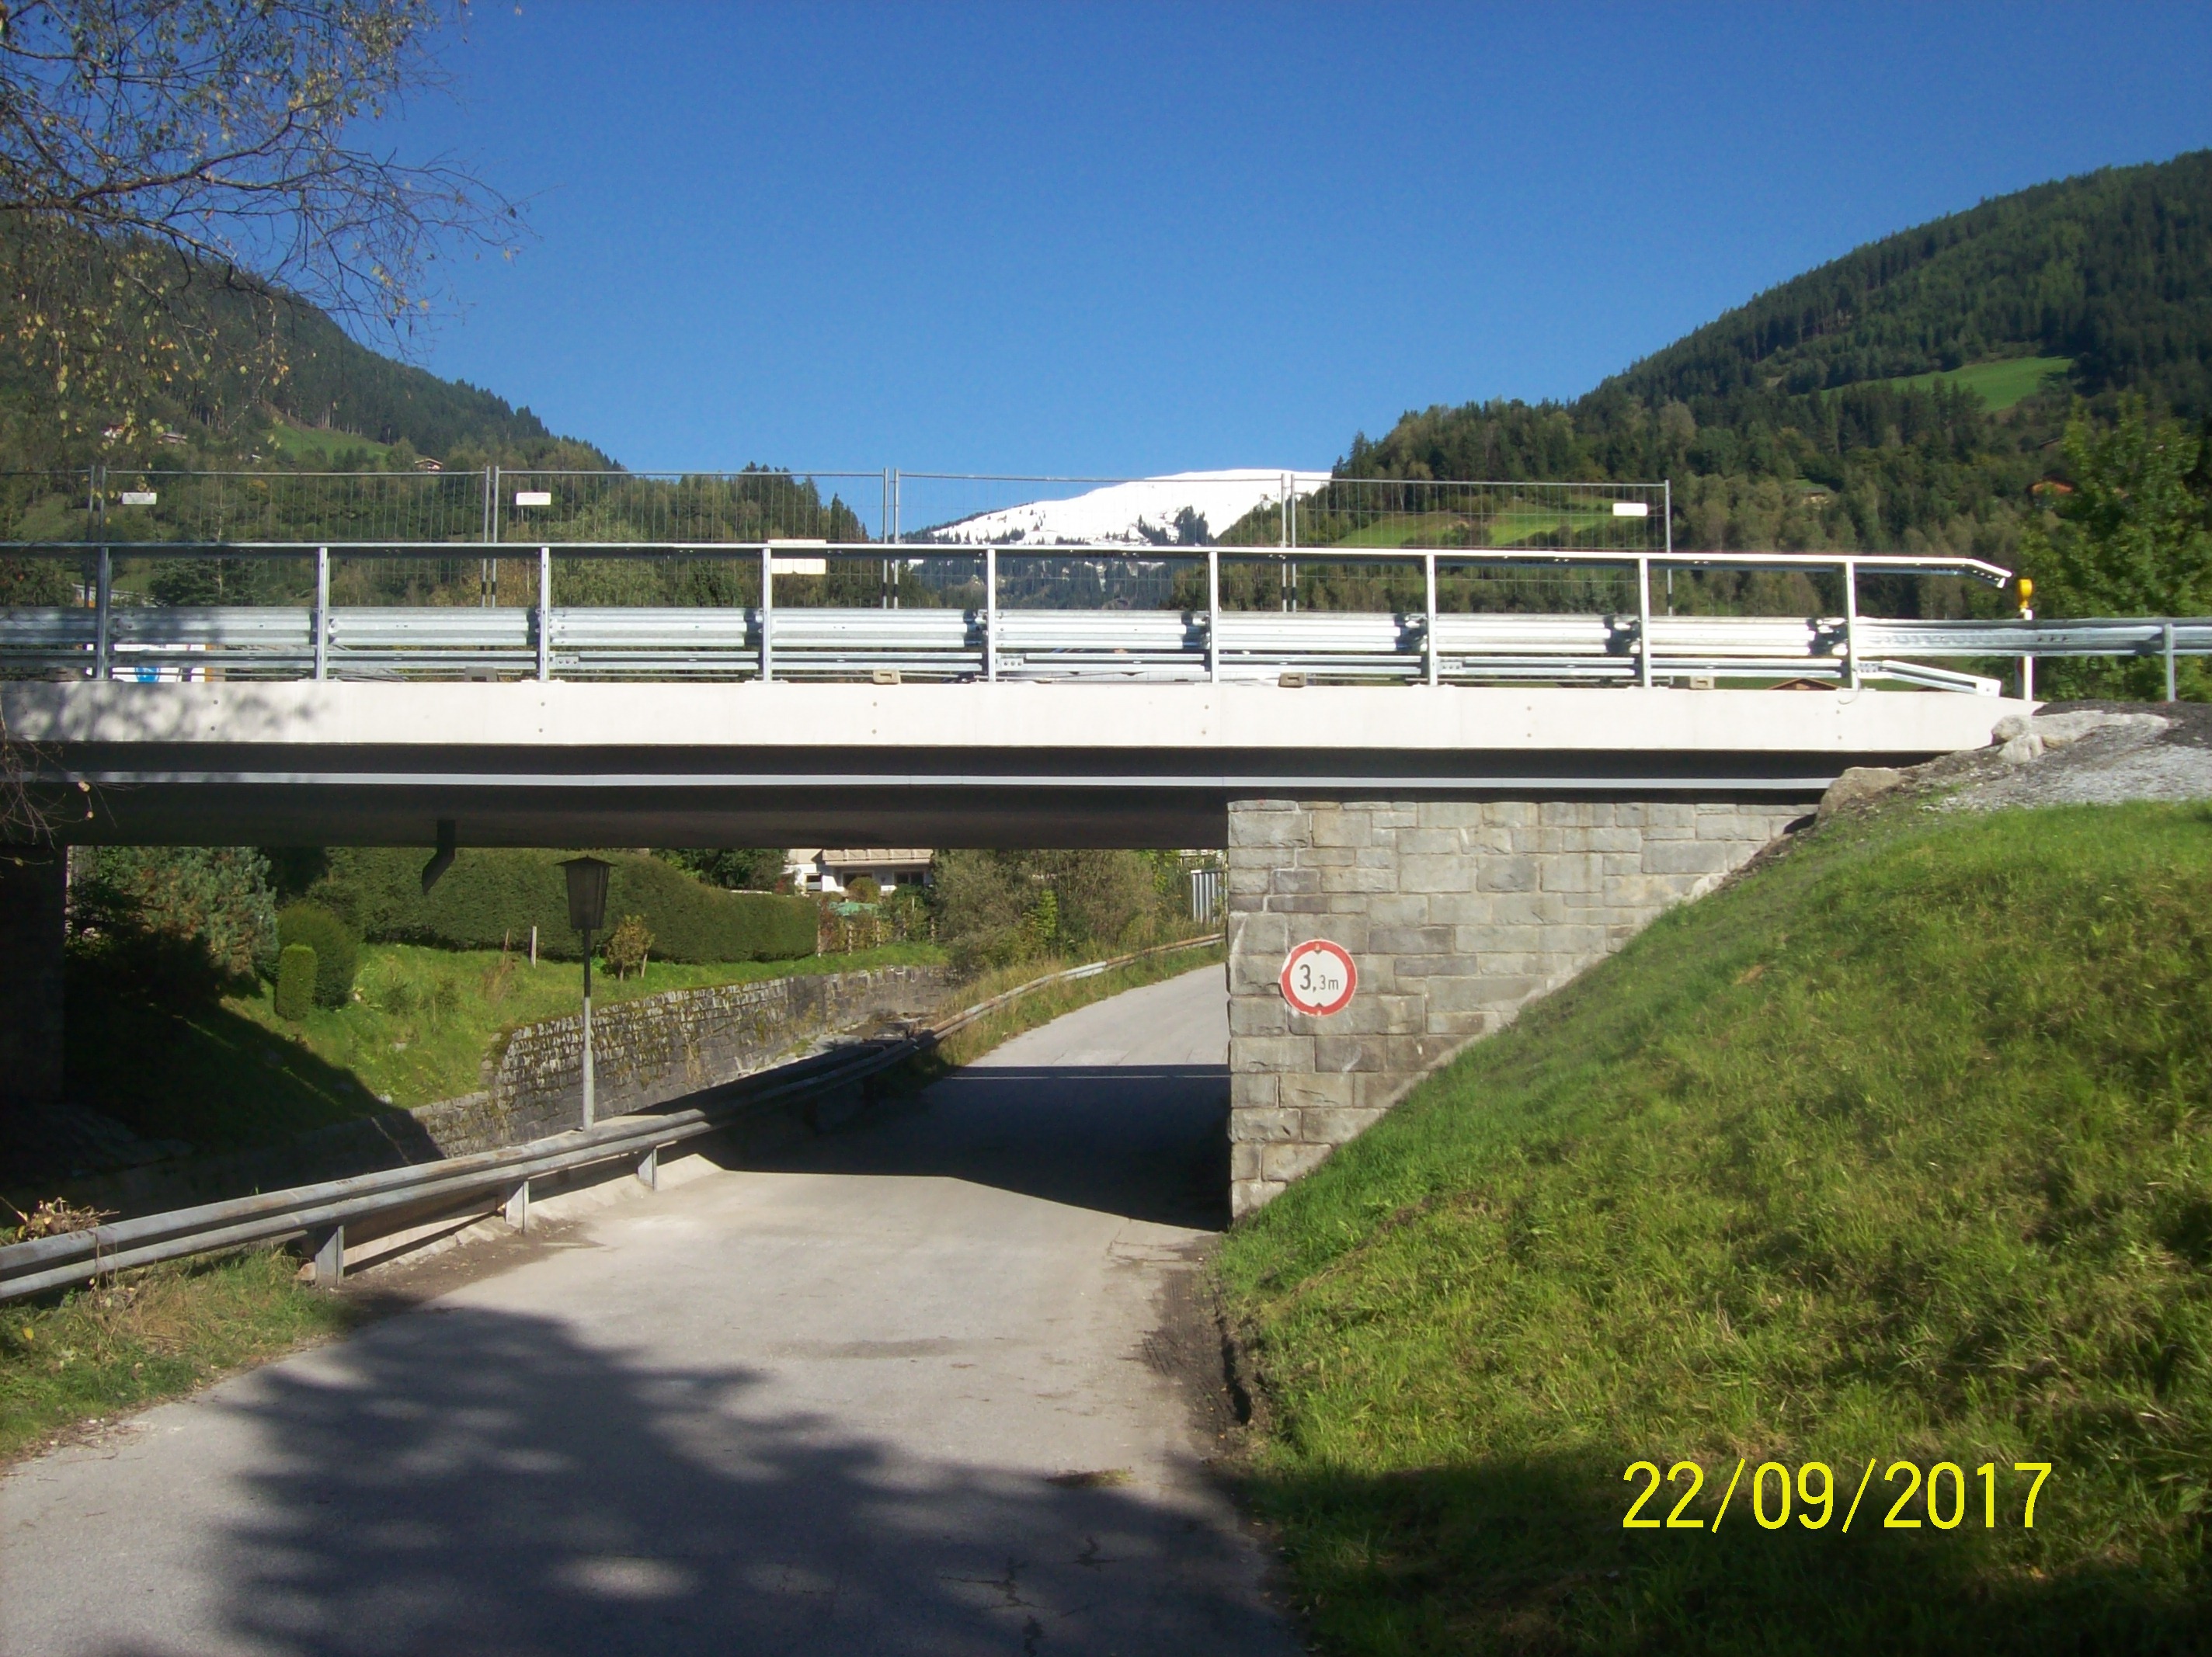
{"x": 832, "y": 870}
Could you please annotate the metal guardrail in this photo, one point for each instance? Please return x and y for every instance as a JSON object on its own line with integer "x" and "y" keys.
{"x": 452, "y": 1188}
{"x": 105, "y": 637}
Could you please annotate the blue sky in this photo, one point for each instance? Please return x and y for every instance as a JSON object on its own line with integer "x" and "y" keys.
{"x": 1128, "y": 238}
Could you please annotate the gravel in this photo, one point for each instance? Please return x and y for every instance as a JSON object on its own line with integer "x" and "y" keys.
{"x": 2080, "y": 753}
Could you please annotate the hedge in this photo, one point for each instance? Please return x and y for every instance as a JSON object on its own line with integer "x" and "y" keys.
{"x": 295, "y": 982}
{"x": 337, "y": 951}
{"x": 491, "y": 897}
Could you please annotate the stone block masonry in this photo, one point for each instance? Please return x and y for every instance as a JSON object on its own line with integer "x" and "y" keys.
{"x": 1457, "y": 913}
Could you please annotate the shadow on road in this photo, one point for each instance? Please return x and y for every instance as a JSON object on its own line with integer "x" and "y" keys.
{"x": 476, "y": 1481}
{"x": 1149, "y": 1142}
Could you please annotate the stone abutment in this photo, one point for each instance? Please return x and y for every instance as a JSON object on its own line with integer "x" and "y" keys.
{"x": 1457, "y": 915}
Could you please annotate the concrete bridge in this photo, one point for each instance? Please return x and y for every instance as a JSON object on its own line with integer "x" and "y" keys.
{"x": 1470, "y": 846}
{"x": 1473, "y": 801}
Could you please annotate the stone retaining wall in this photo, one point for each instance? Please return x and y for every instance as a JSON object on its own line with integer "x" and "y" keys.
{"x": 1457, "y": 913}
{"x": 645, "y": 1051}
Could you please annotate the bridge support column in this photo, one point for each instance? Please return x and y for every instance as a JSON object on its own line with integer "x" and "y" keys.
{"x": 33, "y": 889}
{"x": 1457, "y": 913}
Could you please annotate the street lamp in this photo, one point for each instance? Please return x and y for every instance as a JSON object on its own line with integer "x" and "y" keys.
{"x": 587, "y": 912}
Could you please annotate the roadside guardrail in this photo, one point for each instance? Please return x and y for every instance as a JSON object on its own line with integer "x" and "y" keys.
{"x": 485, "y": 1182}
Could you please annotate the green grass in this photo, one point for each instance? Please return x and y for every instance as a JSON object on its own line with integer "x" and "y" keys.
{"x": 311, "y": 445}
{"x": 153, "y": 1334}
{"x": 2001, "y": 384}
{"x": 1899, "y": 1148}
{"x": 234, "y": 1074}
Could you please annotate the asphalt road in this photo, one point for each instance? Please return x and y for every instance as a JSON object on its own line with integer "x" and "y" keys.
{"x": 904, "y": 1391}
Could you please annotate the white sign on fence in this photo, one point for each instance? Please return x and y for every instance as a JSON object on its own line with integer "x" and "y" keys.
{"x": 1631, "y": 509}
{"x": 797, "y": 566}
{"x": 139, "y": 497}
{"x": 533, "y": 497}
{"x": 1318, "y": 978}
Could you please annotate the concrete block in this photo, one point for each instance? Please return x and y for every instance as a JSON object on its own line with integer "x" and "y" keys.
{"x": 1509, "y": 813}
{"x": 1670, "y": 814}
{"x": 1684, "y": 857}
{"x": 1338, "y": 1125}
{"x": 1507, "y": 874}
{"x": 1410, "y": 940}
{"x": 1404, "y": 1015}
{"x": 1246, "y": 876}
{"x": 1244, "y": 1162}
{"x": 1310, "y": 904}
{"x": 1340, "y": 1055}
{"x": 1248, "y": 827}
{"x": 1458, "y": 1021}
{"x": 1410, "y": 967}
{"x": 1327, "y": 856}
{"x": 1436, "y": 874}
{"x": 1343, "y": 829}
{"x": 1274, "y": 1053}
{"x": 1250, "y": 1196}
{"x": 1259, "y": 1014}
{"x": 1428, "y": 842}
{"x": 1258, "y": 934}
{"x": 1571, "y": 873}
{"x": 1491, "y": 940}
{"x": 1288, "y": 1163}
{"x": 1380, "y": 1089}
{"x": 1402, "y": 908}
{"x": 1461, "y": 908}
{"x": 1321, "y": 1090}
{"x": 1563, "y": 814}
{"x": 1450, "y": 814}
{"x": 1382, "y": 856}
{"x": 1289, "y": 877}
{"x": 1260, "y": 1126}
{"x": 1252, "y": 1088}
{"x": 1615, "y": 840}
{"x": 1358, "y": 880}
{"x": 1504, "y": 967}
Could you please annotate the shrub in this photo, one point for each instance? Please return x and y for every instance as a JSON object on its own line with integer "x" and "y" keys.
{"x": 627, "y": 947}
{"x": 337, "y": 951}
{"x": 489, "y": 897}
{"x": 201, "y": 911}
{"x": 296, "y": 981}
{"x": 863, "y": 889}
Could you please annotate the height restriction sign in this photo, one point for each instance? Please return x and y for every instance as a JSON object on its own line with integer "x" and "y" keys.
{"x": 1318, "y": 978}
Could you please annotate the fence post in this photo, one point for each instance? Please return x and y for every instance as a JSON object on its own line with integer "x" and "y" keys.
{"x": 1429, "y": 639}
{"x": 990, "y": 614}
{"x": 1643, "y": 622}
{"x": 2169, "y": 662}
{"x": 1213, "y": 615}
{"x": 1851, "y": 618}
{"x": 103, "y": 639}
{"x": 768, "y": 614}
{"x": 544, "y": 613}
{"x": 322, "y": 611}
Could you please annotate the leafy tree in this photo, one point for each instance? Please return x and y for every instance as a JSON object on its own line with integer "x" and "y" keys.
{"x": 741, "y": 869}
{"x": 156, "y": 149}
{"x": 2133, "y": 538}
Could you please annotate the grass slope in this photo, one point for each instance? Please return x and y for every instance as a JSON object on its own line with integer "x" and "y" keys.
{"x": 2000, "y": 384}
{"x": 1897, "y": 1148}
{"x": 234, "y": 1074}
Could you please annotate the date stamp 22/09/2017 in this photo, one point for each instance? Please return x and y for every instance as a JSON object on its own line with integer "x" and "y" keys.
{"x": 1940, "y": 1498}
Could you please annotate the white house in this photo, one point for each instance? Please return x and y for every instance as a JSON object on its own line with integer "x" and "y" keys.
{"x": 815, "y": 869}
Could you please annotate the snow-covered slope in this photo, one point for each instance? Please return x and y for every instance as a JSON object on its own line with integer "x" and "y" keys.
{"x": 1144, "y": 512}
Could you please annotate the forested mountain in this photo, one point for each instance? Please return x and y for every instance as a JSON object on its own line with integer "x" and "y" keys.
{"x": 203, "y": 368}
{"x": 1909, "y": 395}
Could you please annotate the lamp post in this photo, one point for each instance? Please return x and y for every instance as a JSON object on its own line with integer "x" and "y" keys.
{"x": 587, "y": 911}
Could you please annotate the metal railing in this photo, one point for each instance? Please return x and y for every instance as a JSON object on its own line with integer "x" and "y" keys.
{"x": 331, "y": 1213}
{"x": 722, "y": 610}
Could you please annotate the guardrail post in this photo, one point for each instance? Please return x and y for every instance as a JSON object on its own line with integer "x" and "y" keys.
{"x": 544, "y": 613}
{"x": 1851, "y": 619}
{"x": 103, "y": 608}
{"x": 2170, "y": 696}
{"x": 518, "y": 1207}
{"x": 322, "y": 611}
{"x": 648, "y": 1169}
{"x": 1643, "y": 622}
{"x": 768, "y": 614}
{"x": 1214, "y": 613}
{"x": 330, "y": 1254}
{"x": 1429, "y": 638}
{"x": 990, "y": 614}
